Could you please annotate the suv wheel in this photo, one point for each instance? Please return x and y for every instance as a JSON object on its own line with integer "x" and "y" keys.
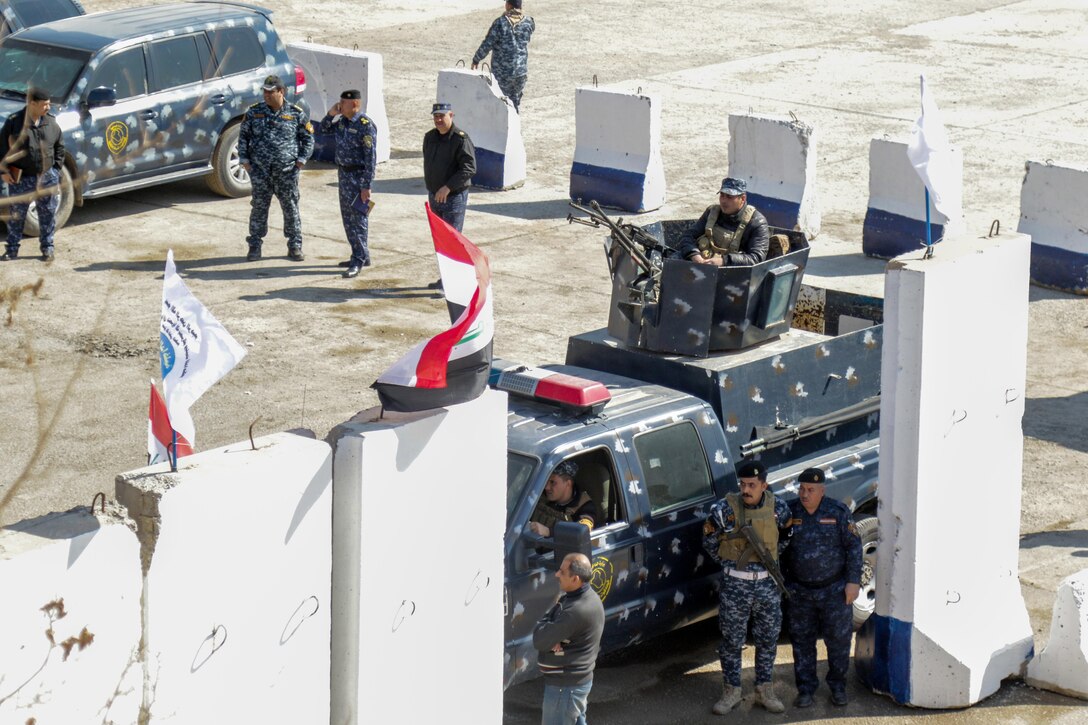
{"x": 866, "y": 601}
{"x": 64, "y": 208}
{"x": 228, "y": 177}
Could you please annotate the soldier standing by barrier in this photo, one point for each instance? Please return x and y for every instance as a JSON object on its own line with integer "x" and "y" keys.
{"x": 449, "y": 163}
{"x": 274, "y": 143}
{"x": 741, "y": 533}
{"x": 32, "y": 153}
{"x": 356, "y": 158}
{"x": 508, "y": 42}
{"x": 824, "y": 568}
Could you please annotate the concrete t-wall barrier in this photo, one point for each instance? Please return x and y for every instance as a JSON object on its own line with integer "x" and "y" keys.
{"x": 1062, "y": 666}
{"x": 418, "y": 565}
{"x": 481, "y": 111}
{"x": 70, "y": 619}
{"x": 1054, "y": 212}
{"x": 895, "y": 221}
{"x": 950, "y": 620}
{"x": 777, "y": 157}
{"x": 617, "y": 153}
{"x": 235, "y": 548}
{"x": 329, "y": 72}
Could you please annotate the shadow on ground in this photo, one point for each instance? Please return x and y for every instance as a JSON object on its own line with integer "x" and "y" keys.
{"x": 1059, "y": 420}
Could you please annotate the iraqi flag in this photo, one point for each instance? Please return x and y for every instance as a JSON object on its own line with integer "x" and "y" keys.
{"x": 453, "y": 366}
{"x": 160, "y": 435}
{"x": 195, "y": 350}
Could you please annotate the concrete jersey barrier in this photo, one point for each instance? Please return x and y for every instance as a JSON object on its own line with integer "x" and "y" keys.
{"x": 777, "y": 157}
{"x": 329, "y": 72}
{"x": 481, "y": 111}
{"x": 1054, "y": 212}
{"x": 617, "y": 153}
{"x": 950, "y": 620}
{"x": 1062, "y": 666}
{"x": 895, "y": 220}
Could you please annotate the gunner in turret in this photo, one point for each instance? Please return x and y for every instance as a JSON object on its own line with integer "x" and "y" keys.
{"x": 732, "y": 232}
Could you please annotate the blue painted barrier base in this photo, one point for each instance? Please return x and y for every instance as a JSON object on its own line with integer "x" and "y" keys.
{"x": 886, "y": 235}
{"x": 779, "y": 212}
{"x": 882, "y": 656}
{"x": 491, "y": 171}
{"x": 1059, "y": 269}
{"x": 610, "y": 188}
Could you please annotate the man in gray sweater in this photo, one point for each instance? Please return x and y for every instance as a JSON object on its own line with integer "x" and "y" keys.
{"x": 568, "y": 639}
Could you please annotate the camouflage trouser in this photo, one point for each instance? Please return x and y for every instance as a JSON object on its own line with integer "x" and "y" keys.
{"x": 820, "y": 613}
{"x": 356, "y": 223}
{"x": 45, "y": 190}
{"x": 740, "y": 600}
{"x": 284, "y": 185}
{"x": 512, "y": 88}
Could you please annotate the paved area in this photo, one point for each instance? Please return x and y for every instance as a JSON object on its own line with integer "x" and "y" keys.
{"x": 75, "y": 360}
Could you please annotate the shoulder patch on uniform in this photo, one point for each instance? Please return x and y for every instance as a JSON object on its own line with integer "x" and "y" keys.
{"x": 296, "y": 107}
{"x": 460, "y": 133}
{"x": 364, "y": 120}
{"x": 309, "y": 127}
{"x": 255, "y": 105}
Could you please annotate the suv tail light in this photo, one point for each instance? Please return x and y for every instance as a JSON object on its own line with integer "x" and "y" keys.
{"x": 300, "y": 79}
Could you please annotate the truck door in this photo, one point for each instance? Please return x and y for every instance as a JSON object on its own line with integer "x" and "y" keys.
{"x": 617, "y": 561}
{"x": 673, "y": 469}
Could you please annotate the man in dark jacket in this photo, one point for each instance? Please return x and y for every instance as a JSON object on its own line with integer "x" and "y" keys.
{"x": 731, "y": 232}
{"x": 568, "y": 639}
{"x": 31, "y": 158}
{"x": 449, "y": 163}
{"x": 508, "y": 42}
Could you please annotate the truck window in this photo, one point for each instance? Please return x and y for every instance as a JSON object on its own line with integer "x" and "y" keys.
{"x": 673, "y": 465}
{"x": 52, "y": 68}
{"x": 519, "y": 469}
{"x": 124, "y": 72}
{"x": 236, "y": 50}
{"x": 176, "y": 62}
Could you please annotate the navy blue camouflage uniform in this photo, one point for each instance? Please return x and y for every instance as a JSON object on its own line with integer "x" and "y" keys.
{"x": 740, "y": 600}
{"x": 508, "y": 42}
{"x": 824, "y": 555}
{"x": 356, "y": 159}
{"x": 273, "y": 143}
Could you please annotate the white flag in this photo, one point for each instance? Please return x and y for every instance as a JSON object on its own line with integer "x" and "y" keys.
{"x": 194, "y": 350}
{"x": 933, "y": 157}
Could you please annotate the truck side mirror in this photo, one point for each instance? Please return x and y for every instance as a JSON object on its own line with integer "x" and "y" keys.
{"x": 101, "y": 96}
{"x": 567, "y": 537}
{"x": 570, "y": 538}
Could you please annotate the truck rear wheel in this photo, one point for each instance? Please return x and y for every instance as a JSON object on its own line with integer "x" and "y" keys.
{"x": 866, "y": 601}
{"x": 31, "y": 228}
{"x": 228, "y": 177}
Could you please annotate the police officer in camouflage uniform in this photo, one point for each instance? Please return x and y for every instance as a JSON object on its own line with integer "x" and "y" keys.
{"x": 731, "y": 232}
{"x": 823, "y": 567}
{"x": 563, "y": 501}
{"x": 508, "y": 42}
{"x": 275, "y": 141}
{"x": 356, "y": 140}
{"x": 747, "y": 589}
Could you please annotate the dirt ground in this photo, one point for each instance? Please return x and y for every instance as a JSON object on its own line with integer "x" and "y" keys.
{"x": 76, "y": 359}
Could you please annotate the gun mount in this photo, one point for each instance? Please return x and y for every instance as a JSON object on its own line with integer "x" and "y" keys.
{"x": 663, "y": 303}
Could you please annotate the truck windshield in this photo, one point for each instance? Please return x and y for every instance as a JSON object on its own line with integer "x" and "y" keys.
{"x": 519, "y": 469}
{"x": 52, "y": 69}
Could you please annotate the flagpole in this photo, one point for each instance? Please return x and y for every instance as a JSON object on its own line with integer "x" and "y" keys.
{"x": 929, "y": 230}
{"x": 173, "y": 456}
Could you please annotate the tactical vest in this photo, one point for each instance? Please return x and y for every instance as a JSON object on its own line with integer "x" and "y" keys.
{"x": 547, "y": 513}
{"x": 734, "y": 547}
{"x": 716, "y": 240}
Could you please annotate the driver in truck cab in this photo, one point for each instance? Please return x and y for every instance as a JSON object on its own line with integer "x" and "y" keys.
{"x": 731, "y": 232}
{"x": 562, "y": 501}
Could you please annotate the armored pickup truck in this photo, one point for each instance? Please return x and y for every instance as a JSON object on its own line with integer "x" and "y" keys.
{"x": 657, "y": 435}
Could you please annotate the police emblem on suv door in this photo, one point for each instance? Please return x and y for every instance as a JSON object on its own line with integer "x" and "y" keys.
{"x": 116, "y": 137}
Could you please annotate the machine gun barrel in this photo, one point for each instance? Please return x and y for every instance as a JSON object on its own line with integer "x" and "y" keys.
{"x": 597, "y": 218}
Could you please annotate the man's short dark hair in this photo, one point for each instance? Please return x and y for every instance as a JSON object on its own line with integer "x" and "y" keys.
{"x": 580, "y": 568}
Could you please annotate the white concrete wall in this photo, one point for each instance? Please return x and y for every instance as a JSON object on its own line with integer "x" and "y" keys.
{"x": 90, "y": 564}
{"x": 777, "y": 157}
{"x": 1053, "y": 211}
{"x": 330, "y": 71}
{"x": 1062, "y": 666}
{"x": 617, "y": 154}
{"x": 418, "y": 565}
{"x": 236, "y": 547}
{"x": 950, "y": 620}
{"x": 481, "y": 111}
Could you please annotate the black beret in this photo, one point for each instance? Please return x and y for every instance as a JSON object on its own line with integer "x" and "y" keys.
{"x": 515, "y": 4}
{"x": 812, "y": 475}
{"x": 352, "y": 95}
{"x": 752, "y": 469}
{"x": 36, "y": 94}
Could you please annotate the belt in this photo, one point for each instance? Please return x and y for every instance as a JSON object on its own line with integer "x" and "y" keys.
{"x": 820, "y": 584}
{"x": 752, "y": 576}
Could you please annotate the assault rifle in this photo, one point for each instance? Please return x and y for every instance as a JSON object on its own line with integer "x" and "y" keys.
{"x": 765, "y": 558}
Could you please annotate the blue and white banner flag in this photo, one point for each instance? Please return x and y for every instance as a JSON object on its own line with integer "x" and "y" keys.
{"x": 933, "y": 157}
{"x": 195, "y": 350}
